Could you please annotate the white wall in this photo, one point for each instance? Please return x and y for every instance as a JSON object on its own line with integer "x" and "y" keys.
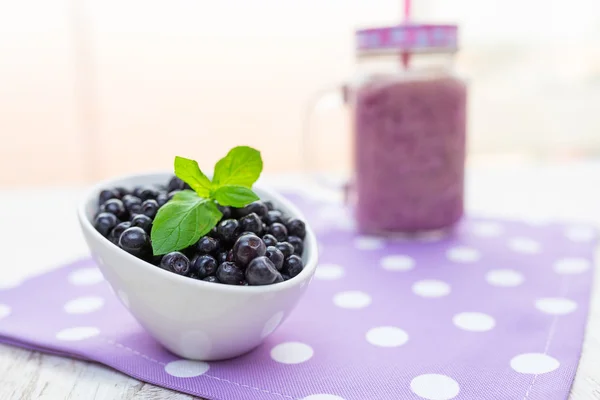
{"x": 91, "y": 88}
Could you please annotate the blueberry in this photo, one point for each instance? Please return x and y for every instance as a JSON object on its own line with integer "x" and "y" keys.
{"x": 105, "y": 222}
{"x": 175, "y": 184}
{"x": 269, "y": 205}
{"x": 296, "y": 227}
{"x": 120, "y": 191}
{"x": 213, "y": 233}
{"x": 286, "y": 248}
{"x": 247, "y": 248}
{"x": 212, "y": 279}
{"x": 134, "y": 240}
{"x": 269, "y": 240}
{"x": 130, "y": 201}
{"x": 106, "y": 195}
{"x": 149, "y": 208}
{"x": 285, "y": 277}
{"x": 230, "y": 274}
{"x": 257, "y": 207}
{"x": 189, "y": 251}
{"x": 115, "y": 206}
{"x": 172, "y": 193}
{"x": 279, "y": 279}
{"x": 275, "y": 256}
{"x": 162, "y": 198}
{"x": 228, "y": 229}
{"x": 226, "y": 211}
{"x": 225, "y": 256}
{"x": 297, "y": 243}
{"x": 273, "y": 216}
{"x": 155, "y": 260}
{"x": 251, "y": 223}
{"x": 292, "y": 266}
{"x": 203, "y": 266}
{"x": 135, "y": 209}
{"x": 115, "y": 234}
{"x": 206, "y": 245}
{"x": 148, "y": 193}
{"x": 279, "y": 231}
{"x": 261, "y": 271}
{"x": 176, "y": 262}
{"x": 137, "y": 190}
{"x": 143, "y": 221}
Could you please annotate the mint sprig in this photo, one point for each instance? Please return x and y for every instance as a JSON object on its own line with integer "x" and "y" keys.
{"x": 189, "y": 215}
{"x": 188, "y": 171}
{"x": 241, "y": 166}
{"x": 234, "y": 196}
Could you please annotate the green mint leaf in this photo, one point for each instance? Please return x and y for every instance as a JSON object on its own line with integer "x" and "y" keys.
{"x": 185, "y": 195}
{"x": 182, "y": 221}
{"x": 241, "y": 166}
{"x": 234, "y": 195}
{"x": 188, "y": 171}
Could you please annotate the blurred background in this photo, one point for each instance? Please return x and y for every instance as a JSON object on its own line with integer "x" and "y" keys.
{"x": 94, "y": 88}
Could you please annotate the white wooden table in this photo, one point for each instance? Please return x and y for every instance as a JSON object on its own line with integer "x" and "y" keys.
{"x": 39, "y": 231}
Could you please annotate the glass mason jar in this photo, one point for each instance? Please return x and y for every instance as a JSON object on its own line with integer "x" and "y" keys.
{"x": 409, "y": 130}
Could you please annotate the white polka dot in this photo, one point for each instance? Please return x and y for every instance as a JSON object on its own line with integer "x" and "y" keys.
{"x": 571, "y": 266}
{"x": 463, "y": 254}
{"x": 433, "y": 236}
{"x": 271, "y": 324}
{"x": 329, "y": 272}
{"x": 580, "y": 233}
{"x": 435, "y": 387}
{"x": 487, "y": 229}
{"x": 534, "y": 363}
{"x": 84, "y": 305}
{"x": 323, "y": 397}
{"x": 78, "y": 333}
{"x": 86, "y": 276}
{"x": 368, "y": 243}
{"x": 186, "y": 368}
{"x": 397, "y": 263}
{"x": 474, "y": 321}
{"x": 339, "y": 217}
{"x": 4, "y": 311}
{"x": 504, "y": 277}
{"x": 387, "y": 336}
{"x": 431, "y": 288}
{"x": 291, "y": 353}
{"x": 537, "y": 220}
{"x": 524, "y": 245}
{"x": 352, "y": 299}
{"x": 10, "y": 283}
{"x": 555, "y": 305}
{"x": 347, "y": 224}
{"x": 332, "y": 212}
{"x": 123, "y": 297}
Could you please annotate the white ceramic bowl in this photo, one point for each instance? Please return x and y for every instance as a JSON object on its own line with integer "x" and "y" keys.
{"x": 195, "y": 319}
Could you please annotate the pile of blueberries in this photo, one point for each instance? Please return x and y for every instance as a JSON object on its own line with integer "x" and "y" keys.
{"x": 253, "y": 245}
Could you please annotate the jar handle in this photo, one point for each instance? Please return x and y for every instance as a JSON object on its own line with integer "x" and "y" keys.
{"x": 330, "y": 97}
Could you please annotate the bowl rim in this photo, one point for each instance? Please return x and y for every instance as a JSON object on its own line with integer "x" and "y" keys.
{"x": 303, "y": 277}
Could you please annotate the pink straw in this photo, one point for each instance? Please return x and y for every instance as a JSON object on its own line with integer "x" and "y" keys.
{"x": 406, "y": 55}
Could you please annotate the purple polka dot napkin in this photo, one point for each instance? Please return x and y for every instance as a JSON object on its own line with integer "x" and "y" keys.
{"x": 497, "y": 310}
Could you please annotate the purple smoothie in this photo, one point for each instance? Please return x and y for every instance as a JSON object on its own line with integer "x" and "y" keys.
{"x": 409, "y": 153}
